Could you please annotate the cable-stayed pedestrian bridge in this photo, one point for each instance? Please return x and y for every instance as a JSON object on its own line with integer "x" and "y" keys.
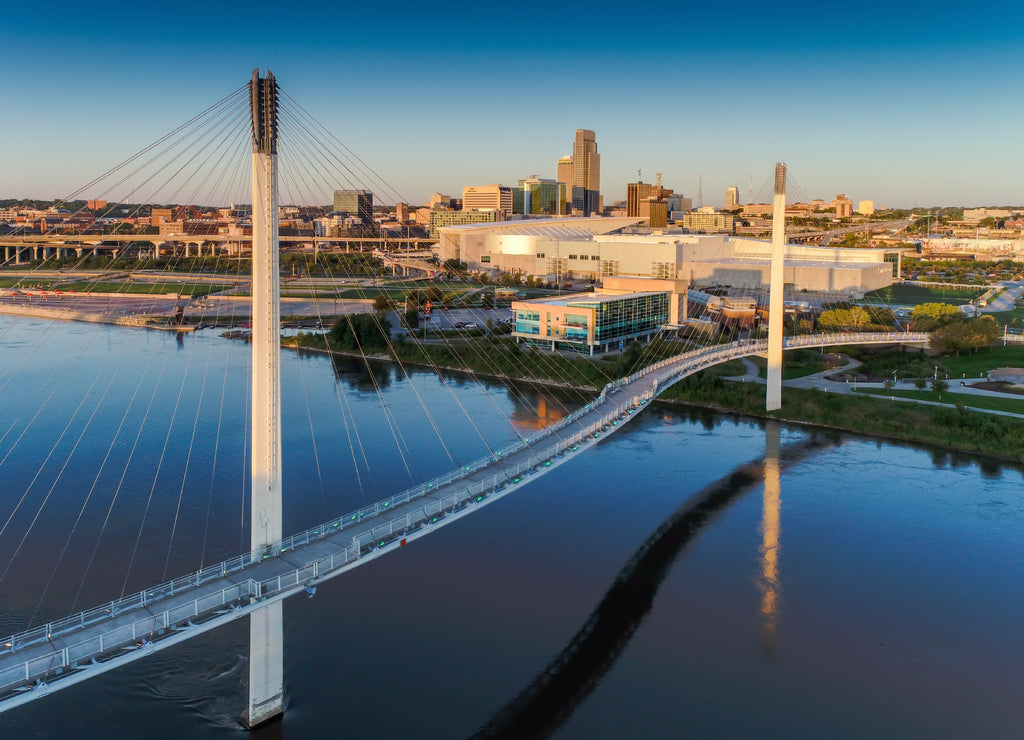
{"x": 44, "y": 659}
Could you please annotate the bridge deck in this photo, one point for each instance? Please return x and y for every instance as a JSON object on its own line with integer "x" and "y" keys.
{"x": 49, "y": 657}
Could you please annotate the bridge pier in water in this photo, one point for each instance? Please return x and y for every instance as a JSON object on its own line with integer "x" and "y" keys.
{"x": 266, "y": 632}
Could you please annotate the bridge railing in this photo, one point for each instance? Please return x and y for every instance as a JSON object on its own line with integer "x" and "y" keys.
{"x": 742, "y": 348}
{"x": 682, "y": 364}
{"x": 133, "y": 634}
{"x": 379, "y": 507}
{"x": 210, "y": 573}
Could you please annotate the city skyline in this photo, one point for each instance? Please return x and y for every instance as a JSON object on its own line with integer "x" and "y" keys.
{"x": 904, "y": 107}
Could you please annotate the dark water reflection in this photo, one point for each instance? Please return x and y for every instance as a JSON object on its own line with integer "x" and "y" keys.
{"x": 884, "y": 578}
{"x": 555, "y": 693}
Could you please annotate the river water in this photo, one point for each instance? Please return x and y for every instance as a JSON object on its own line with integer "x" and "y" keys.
{"x": 680, "y": 579}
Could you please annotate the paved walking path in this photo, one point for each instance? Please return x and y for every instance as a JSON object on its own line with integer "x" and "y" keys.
{"x": 820, "y": 381}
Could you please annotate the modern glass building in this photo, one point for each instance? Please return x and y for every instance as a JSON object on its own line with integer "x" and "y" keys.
{"x": 538, "y": 196}
{"x": 589, "y": 322}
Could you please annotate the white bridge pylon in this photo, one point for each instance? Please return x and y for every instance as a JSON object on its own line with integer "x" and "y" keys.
{"x": 776, "y": 288}
{"x": 266, "y": 631}
{"x": 37, "y": 662}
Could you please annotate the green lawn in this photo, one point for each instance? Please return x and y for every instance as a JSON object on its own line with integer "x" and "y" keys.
{"x": 901, "y": 294}
{"x": 147, "y": 288}
{"x": 322, "y": 294}
{"x": 976, "y": 365}
{"x": 368, "y": 292}
{"x": 395, "y": 293}
{"x": 26, "y": 281}
{"x": 1013, "y": 318}
{"x": 797, "y": 363}
{"x": 993, "y": 403}
{"x": 730, "y": 369}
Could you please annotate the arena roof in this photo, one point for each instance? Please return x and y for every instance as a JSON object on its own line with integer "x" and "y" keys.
{"x": 564, "y": 229}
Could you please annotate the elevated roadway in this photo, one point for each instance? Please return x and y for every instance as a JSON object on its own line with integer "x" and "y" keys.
{"x": 16, "y": 250}
{"x": 823, "y": 237}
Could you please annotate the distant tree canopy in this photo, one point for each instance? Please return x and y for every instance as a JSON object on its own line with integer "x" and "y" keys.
{"x": 930, "y": 316}
{"x": 361, "y": 332}
{"x": 966, "y": 335}
{"x": 853, "y": 317}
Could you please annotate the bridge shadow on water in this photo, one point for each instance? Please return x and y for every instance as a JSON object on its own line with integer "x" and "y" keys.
{"x": 554, "y": 694}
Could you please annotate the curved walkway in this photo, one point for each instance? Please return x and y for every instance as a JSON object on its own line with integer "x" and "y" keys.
{"x": 820, "y": 381}
{"x": 38, "y": 661}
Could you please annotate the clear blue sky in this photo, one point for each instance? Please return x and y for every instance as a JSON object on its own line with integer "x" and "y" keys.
{"x": 904, "y": 103}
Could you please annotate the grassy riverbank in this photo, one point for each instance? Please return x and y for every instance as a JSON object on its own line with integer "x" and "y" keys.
{"x": 1013, "y": 405}
{"x": 497, "y": 357}
{"x": 956, "y": 429}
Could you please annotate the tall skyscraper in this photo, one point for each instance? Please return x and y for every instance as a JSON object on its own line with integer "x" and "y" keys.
{"x": 732, "y": 198}
{"x": 586, "y": 173}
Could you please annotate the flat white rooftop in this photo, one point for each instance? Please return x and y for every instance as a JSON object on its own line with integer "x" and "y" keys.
{"x": 557, "y": 228}
{"x": 576, "y": 299}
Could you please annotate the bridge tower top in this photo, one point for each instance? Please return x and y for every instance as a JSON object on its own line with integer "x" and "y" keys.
{"x": 263, "y": 104}
{"x": 780, "y": 178}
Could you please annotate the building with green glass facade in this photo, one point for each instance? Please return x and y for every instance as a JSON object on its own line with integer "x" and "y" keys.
{"x": 590, "y": 322}
{"x": 537, "y": 196}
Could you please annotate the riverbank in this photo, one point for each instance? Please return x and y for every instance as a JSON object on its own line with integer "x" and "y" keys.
{"x": 953, "y": 428}
{"x": 72, "y": 314}
{"x": 956, "y": 429}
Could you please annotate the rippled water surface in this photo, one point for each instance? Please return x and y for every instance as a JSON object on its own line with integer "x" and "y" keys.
{"x": 670, "y": 582}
